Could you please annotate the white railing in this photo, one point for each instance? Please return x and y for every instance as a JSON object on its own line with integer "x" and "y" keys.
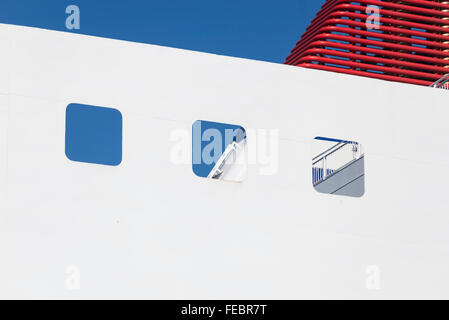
{"x": 442, "y": 83}
{"x": 334, "y": 159}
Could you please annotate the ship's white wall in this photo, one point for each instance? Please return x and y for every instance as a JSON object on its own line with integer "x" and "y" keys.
{"x": 152, "y": 229}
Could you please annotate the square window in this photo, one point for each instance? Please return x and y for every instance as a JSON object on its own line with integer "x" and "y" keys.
{"x": 338, "y": 167}
{"x": 93, "y": 134}
{"x": 219, "y": 151}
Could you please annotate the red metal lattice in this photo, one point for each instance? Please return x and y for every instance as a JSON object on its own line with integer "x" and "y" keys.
{"x": 408, "y": 41}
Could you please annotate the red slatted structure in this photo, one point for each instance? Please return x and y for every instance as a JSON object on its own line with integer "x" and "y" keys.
{"x": 398, "y": 40}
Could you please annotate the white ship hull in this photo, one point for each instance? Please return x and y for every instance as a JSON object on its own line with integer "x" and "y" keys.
{"x": 150, "y": 228}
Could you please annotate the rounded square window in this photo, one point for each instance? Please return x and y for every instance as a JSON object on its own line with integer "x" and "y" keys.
{"x": 219, "y": 151}
{"x": 338, "y": 167}
{"x": 93, "y": 134}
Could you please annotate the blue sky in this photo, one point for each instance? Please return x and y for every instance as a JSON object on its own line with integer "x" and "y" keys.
{"x": 256, "y": 29}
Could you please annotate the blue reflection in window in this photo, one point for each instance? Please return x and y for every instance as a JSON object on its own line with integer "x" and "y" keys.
{"x": 93, "y": 134}
{"x": 209, "y": 141}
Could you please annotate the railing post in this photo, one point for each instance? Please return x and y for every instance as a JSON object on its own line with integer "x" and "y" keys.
{"x": 325, "y": 168}
{"x": 355, "y": 150}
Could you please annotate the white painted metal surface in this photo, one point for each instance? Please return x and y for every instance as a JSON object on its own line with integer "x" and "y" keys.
{"x": 152, "y": 229}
